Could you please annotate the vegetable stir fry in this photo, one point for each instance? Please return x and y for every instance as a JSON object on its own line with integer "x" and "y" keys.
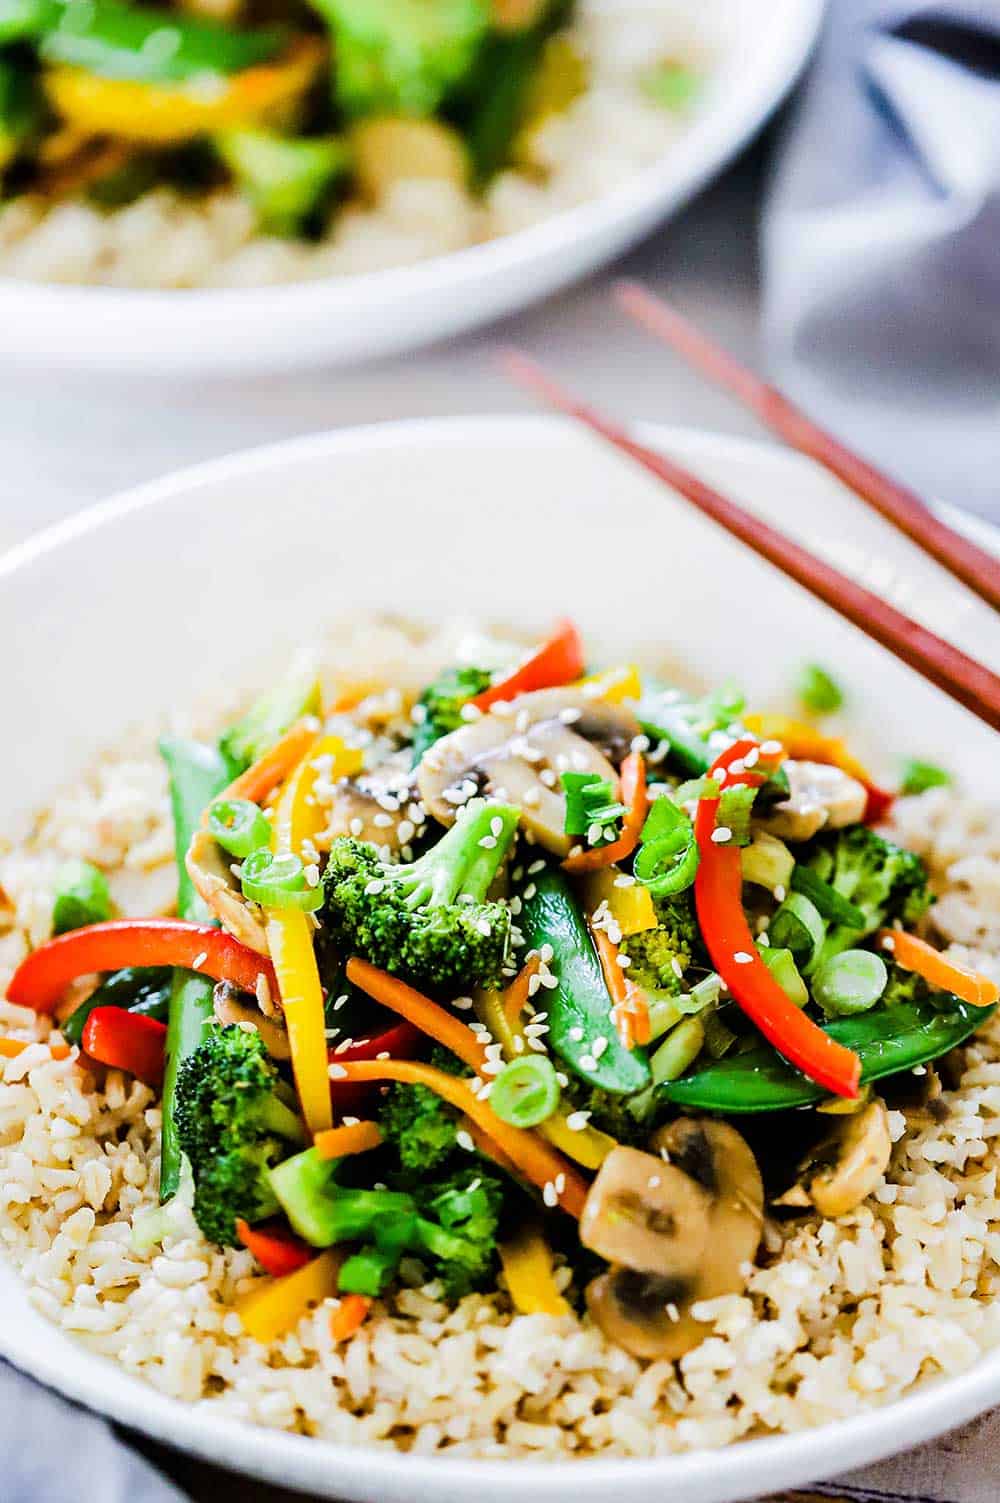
{"x": 303, "y": 108}
{"x": 510, "y": 977}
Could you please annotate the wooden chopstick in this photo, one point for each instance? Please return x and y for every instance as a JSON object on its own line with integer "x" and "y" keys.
{"x": 968, "y": 562}
{"x": 970, "y": 683}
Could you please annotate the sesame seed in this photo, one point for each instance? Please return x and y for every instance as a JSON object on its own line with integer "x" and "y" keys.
{"x": 588, "y": 1062}
{"x": 529, "y": 892}
{"x": 576, "y": 1035}
{"x": 719, "y": 774}
{"x": 752, "y": 757}
{"x": 560, "y": 1183}
{"x": 676, "y": 967}
{"x": 463, "y": 1004}
{"x": 570, "y": 715}
{"x": 577, "y": 1121}
{"x": 488, "y": 842}
{"x": 484, "y": 926}
{"x": 199, "y": 961}
{"x": 771, "y": 748}
{"x": 337, "y": 1072}
{"x": 780, "y": 892}
{"x": 374, "y": 887}
{"x": 350, "y": 1121}
{"x": 533, "y": 870}
{"x": 653, "y": 1182}
{"x": 742, "y": 958}
{"x": 599, "y": 1046}
{"x": 340, "y": 1002}
{"x": 721, "y": 835}
{"x": 888, "y": 943}
{"x": 624, "y": 880}
{"x": 464, "y": 1140}
{"x": 550, "y": 1195}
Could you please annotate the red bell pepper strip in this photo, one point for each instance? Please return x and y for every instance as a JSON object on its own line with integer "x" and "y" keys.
{"x": 878, "y": 803}
{"x": 719, "y": 903}
{"x": 42, "y": 978}
{"x": 401, "y": 1041}
{"x": 274, "y": 1248}
{"x": 129, "y": 1041}
{"x": 558, "y": 661}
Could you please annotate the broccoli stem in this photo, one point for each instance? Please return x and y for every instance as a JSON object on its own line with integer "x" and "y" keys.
{"x": 461, "y": 865}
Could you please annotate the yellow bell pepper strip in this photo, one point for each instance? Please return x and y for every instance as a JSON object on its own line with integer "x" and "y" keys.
{"x": 587, "y": 1145}
{"x": 297, "y": 818}
{"x": 533, "y": 1157}
{"x": 939, "y": 970}
{"x": 631, "y": 907}
{"x": 355, "y": 1137}
{"x": 613, "y": 685}
{"x": 527, "y": 1264}
{"x": 430, "y": 1017}
{"x": 271, "y": 1310}
{"x": 802, "y": 740}
{"x": 165, "y": 114}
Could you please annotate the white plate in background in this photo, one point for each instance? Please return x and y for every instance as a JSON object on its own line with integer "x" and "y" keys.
{"x": 343, "y": 319}
{"x": 150, "y": 599}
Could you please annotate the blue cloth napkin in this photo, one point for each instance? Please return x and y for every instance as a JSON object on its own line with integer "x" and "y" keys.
{"x": 881, "y": 243}
{"x": 54, "y": 1452}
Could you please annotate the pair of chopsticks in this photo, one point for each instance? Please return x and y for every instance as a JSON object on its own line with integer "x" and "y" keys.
{"x": 970, "y": 683}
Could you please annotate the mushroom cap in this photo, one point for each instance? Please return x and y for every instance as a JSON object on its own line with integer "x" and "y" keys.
{"x": 645, "y": 1214}
{"x": 849, "y": 1163}
{"x": 641, "y": 1312}
{"x": 507, "y": 750}
{"x": 381, "y": 799}
{"x": 820, "y": 797}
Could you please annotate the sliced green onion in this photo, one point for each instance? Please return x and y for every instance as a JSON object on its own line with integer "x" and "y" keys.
{"x": 590, "y": 801}
{"x": 818, "y": 691}
{"x": 667, "y": 1009}
{"x": 826, "y": 899}
{"x": 850, "y": 982}
{"x": 735, "y": 807}
{"x": 767, "y": 862}
{"x": 695, "y": 789}
{"x": 82, "y": 897}
{"x": 667, "y": 859}
{"x": 681, "y": 1048}
{"x": 526, "y": 1091}
{"x": 278, "y": 882}
{"x": 238, "y": 826}
{"x": 798, "y": 926}
{"x": 919, "y": 776}
{"x": 781, "y": 964}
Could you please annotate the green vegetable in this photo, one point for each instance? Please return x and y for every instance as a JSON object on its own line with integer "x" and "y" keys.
{"x": 817, "y": 691}
{"x": 825, "y": 898}
{"x": 234, "y": 1121}
{"x": 438, "y": 711}
{"x": 238, "y": 826}
{"x": 278, "y": 882}
{"x": 270, "y": 717}
{"x": 850, "y": 982}
{"x": 883, "y": 880}
{"x": 659, "y": 957}
{"x": 590, "y": 801}
{"x": 919, "y": 776}
{"x": 889, "y": 1039}
{"x": 467, "y": 1209}
{"x": 420, "y": 1125}
{"x": 82, "y": 897}
{"x": 509, "y": 63}
{"x": 580, "y": 1001}
{"x": 428, "y": 920}
{"x": 196, "y": 774}
{"x": 401, "y": 57}
{"x": 735, "y": 808}
{"x": 21, "y": 109}
{"x": 117, "y": 40}
{"x": 324, "y": 1212}
{"x": 672, "y": 86}
{"x": 781, "y": 964}
{"x": 798, "y": 926}
{"x": 288, "y": 180}
{"x": 144, "y": 989}
{"x": 667, "y": 859}
{"x": 680, "y": 1049}
{"x": 368, "y": 1271}
{"x": 767, "y": 862}
{"x": 526, "y": 1091}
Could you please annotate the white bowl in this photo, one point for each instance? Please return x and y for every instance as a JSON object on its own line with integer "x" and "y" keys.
{"x": 338, "y": 320}
{"x": 152, "y": 598}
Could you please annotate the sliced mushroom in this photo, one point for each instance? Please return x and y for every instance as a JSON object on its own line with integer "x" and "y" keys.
{"x": 208, "y": 868}
{"x": 646, "y": 1214}
{"x": 373, "y": 806}
{"x": 517, "y": 752}
{"x": 846, "y": 1166}
{"x": 230, "y": 1008}
{"x": 820, "y": 797}
{"x": 647, "y": 1310}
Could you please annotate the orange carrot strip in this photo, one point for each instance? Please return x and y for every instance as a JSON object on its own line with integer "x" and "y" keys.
{"x": 338, "y": 1142}
{"x": 486, "y": 1146}
{"x": 273, "y": 767}
{"x": 633, "y": 793}
{"x": 915, "y": 954}
{"x": 629, "y": 1012}
{"x": 515, "y": 998}
{"x": 419, "y": 1010}
{"x": 349, "y": 1315}
{"x": 11, "y": 1048}
{"x": 533, "y": 1157}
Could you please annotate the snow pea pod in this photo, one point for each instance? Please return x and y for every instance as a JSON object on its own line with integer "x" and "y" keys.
{"x": 132, "y": 41}
{"x": 144, "y": 989}
{"x": 580, "y": 1003}
{"x": 887, "y": 1039}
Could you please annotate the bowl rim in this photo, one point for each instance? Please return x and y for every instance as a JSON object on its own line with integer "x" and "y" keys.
{"x": 743, "y": 1469}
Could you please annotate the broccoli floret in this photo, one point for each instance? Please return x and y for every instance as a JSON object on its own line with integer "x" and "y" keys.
{"x": 234, "y": 1122}
{"x": 324, "y": 1212}
{"x": 652, "y": 952}
{"x": 429, "y": 920}
{"x": 420, "y": 1125}
{"x": 459, "y": 1228}
{"x": 882, "y": 879}
{"x": 439, "y": 708}
{"x": 401, "y": 57}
